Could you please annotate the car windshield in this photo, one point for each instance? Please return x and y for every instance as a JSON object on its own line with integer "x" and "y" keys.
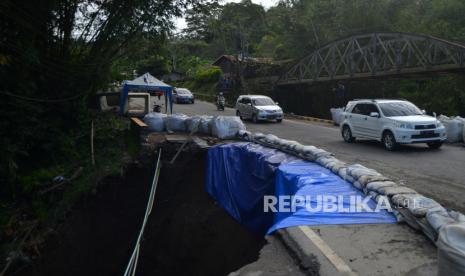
{"x": 262, "y": 101}
{"x": 399, "y": 109}
{"x": 183, "y": 92}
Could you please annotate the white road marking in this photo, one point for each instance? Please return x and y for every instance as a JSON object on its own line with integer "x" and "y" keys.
{"x": 329, "y": 253}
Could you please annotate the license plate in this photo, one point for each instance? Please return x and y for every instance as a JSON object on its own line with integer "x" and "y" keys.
{"x": 427, "y": 132}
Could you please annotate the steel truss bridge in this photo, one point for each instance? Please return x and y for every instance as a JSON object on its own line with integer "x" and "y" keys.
{"x": 377, "y": 55}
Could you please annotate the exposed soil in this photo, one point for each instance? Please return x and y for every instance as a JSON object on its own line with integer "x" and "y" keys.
{"x": 187, "y": 233}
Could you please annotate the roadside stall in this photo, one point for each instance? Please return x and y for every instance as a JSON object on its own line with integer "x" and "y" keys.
{"x": 149, "y": 84}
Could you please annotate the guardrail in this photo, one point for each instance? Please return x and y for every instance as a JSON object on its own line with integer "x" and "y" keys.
{"x": 132, "y": 265}
{"x": 307, "y": 118}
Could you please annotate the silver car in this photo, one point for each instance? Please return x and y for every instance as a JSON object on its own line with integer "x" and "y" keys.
{"x": 258, "y": 108}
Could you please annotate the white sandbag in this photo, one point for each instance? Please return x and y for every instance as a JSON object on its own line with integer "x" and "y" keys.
{"x": 317, "y": 153}
{"x": 344, "y": 175}
{"x": 357, "y": 171}
{"x": 259, "y": 136}
{"x": 201, "y": 123}
{"x": 325, "y": 160}
{"x": 417, "y": 204}
{"x": 336, "y": 166}
{"x": 155, "y": 121}
{"x": 365, "y": 179}
{"x": 193, "y": 124}
{"x": 462, "y": 126}
{"x": 336, "y": 114}
{"x": 394, "y": 190}
{"x": 454, "y": 129}
{"x": 245, "y": 135}
{"x": 226, "y": 127}
{"x": 451, "y": 250}
{"x": 272, "y": 139}
{"x": 176, "y": 122}
{"x": 377, "y": 185}
{"x": 205, "y": 124}
{"x": 438, "y": 217}
{"x": 463, "y": 134}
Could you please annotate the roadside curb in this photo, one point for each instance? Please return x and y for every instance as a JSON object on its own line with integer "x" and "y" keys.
{"x": 309, "y": 255}
{"x": 307, "y": 118}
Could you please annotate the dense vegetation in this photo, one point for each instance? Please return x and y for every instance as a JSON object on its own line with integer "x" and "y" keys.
{"x": 54, "y": 56}
{"x": 294, "y": 28}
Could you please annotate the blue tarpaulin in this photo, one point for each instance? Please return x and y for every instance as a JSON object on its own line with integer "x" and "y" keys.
{"x": 239, "y": 175}
{"x": 311, "y": 183}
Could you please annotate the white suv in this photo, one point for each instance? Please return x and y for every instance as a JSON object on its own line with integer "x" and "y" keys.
{"x": 257, "y": 107}
{"x": 392, "y": 122}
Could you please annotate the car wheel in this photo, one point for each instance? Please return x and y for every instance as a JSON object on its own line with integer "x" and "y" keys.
{"x": 238, "y": 114}
{"x": 279, "y": 120}
{"x": 254, "y": 118}
{"x": 347, "y": 134}
{"x": 389, "y": 141}
{"x": 193, "y": 101}
{"x": 434, "y": 145}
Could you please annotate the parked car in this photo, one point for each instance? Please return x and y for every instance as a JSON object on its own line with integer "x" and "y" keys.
{"x": 257, "y": 107}
{"x": 183, "y": 95}
{"x": 391, "y": 122}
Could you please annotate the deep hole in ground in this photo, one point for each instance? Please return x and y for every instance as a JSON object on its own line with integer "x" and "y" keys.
{"x": 187, "y": 232}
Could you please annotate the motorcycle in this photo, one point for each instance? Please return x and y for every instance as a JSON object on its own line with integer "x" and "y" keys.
{"x": 220, "y": 104}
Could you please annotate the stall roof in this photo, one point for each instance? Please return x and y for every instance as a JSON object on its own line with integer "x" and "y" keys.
{"x": 147, "y": 80}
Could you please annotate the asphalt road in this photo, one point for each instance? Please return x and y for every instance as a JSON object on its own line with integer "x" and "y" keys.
{"x": 439, "y": 174}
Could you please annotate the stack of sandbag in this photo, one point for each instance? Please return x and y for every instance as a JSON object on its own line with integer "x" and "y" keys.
{"x": 176, "y": 122}
{"x": 454, "y": 128}
{"x": 420, "y": 212}
{"x": 336, "y": 114}
{"x": 310, "y": 153}
{"x": 155, "y": 121}
{"x": 226, "y": 127}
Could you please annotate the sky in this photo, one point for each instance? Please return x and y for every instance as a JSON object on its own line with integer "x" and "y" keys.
{"x": 181, "y": 23}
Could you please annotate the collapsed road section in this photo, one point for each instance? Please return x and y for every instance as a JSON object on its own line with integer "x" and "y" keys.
{"x": 246, "y": 176}
{"x": 222, "y": 202}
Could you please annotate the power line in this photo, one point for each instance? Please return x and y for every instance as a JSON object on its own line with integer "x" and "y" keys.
{"x": 42, "y": 100}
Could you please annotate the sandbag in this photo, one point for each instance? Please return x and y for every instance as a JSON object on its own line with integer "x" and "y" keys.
{"x": 176, "y": 122}
{"x": 192, "y": 124}
{"x": 344, "y": 175}
{"x": 417, "y": 204}
{"x": 357, "y": 171}
{"x": 462, "y": 126}
{"x": 226, "y": 127}
{"x": 155, "y": 121}
{"x": 365, "y": 179}
{"x": 439, "y": 217}
{"x": 201, "y": 123}
{"x": 454, "y": 128}
{"x": 451, "y": 250}
{"x": 377, "y": 185}
{"x": 336, "y": 114}
{"x": 394, "y": 190}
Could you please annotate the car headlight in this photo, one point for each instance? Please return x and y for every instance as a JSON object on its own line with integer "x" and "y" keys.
{"x": 261, "y": 112}
{"x": 404, "y": 125}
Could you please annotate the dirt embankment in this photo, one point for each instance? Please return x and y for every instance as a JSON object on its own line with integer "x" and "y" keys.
{"x": 187, "y": 233}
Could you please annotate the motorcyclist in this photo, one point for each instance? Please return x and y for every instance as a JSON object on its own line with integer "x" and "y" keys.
{"x": 220, "y": 97}
{"x": 220, "y": 100}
